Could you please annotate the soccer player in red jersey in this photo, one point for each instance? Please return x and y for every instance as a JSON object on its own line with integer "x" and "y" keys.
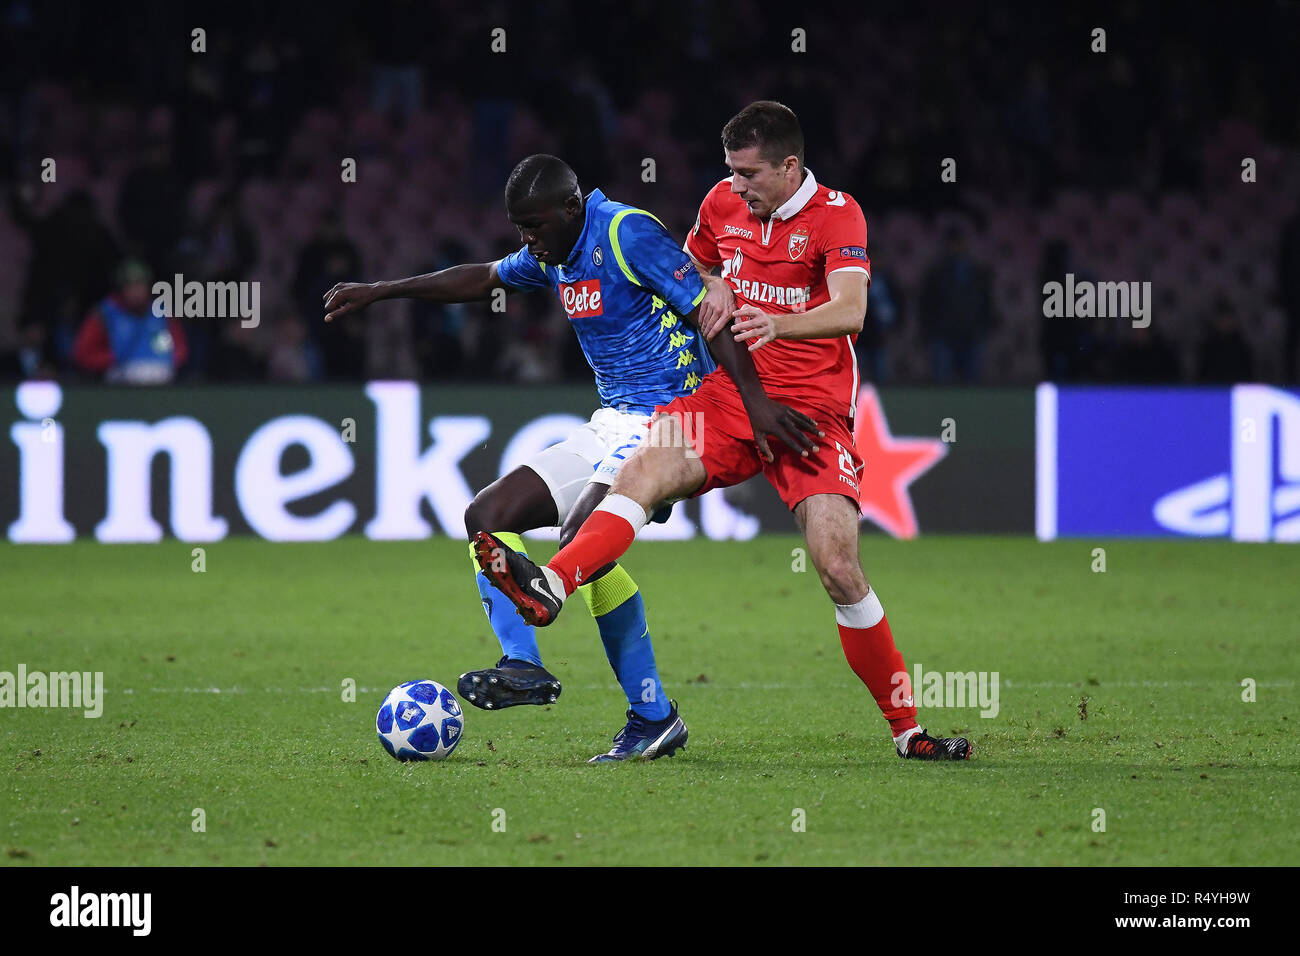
{"x": 795, "y": 253}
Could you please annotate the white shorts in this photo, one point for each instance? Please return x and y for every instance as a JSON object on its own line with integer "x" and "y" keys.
{"x": 593, "y": 452}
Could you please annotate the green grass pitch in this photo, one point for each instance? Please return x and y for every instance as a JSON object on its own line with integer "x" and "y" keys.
{"x": 224, "y": 693}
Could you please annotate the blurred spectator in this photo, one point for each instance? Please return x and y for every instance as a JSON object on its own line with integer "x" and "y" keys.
{"x": 883, "y": 318}
{"x": 1224, "y": 355}
{"x": 525, "y": 346}
{"x": 221, "y": 248}
{"x": 199, "y": 107}
{"x": 1069, "y": 346}
{"x": 233, "y": 356}
{"x": 329, "y": 257}
{"x": 125, "y": 339}
{"x": 956, "y": 310}
{"x": 26, "y": 359}
{"x": 73, "y": 256}
{"x": 293, "y": 357}
{"x": 262, "y": 104}
{"x": 1030, "y": 122}
{"x": 438, "y": 329}
{"x": 151, "y": 207}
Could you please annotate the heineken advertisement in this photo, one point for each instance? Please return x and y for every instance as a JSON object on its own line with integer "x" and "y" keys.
{"x": 394, "y": 460}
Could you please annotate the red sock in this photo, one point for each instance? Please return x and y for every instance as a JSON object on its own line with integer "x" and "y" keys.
{"x": 603, "y": 538}
{"x": 879, "y": 664}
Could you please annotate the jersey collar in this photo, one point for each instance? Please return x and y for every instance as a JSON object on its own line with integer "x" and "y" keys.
{"x": 594, "y": 199}
{"x": 794, "y": 205}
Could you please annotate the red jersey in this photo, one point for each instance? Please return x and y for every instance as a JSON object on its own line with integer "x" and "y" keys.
{"x": 780, "y": 265}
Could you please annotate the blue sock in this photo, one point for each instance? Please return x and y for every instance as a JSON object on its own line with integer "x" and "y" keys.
{"x": 619, "y": 610}
{"x": 518, "y": 639}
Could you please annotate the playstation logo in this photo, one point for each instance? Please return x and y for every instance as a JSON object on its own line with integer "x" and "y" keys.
{"x": 1154, "y": 462}
{"x": 1258, "y": 499}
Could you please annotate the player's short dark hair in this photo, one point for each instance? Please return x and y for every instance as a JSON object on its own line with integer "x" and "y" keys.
{"x": 542, "y": 178}
{"x": 769, "y": 125}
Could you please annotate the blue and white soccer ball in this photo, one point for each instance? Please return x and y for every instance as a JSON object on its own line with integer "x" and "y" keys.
{"x": 420, "y": 720}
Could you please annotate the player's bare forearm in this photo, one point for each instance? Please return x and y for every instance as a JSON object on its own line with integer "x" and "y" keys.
{"x": 842, "y": 315}
{"x": 736, "y": 360}
{"x": 464, "y": 283}
{"x": 827, "y": 321}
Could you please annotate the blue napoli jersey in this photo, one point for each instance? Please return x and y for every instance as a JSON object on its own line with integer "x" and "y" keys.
{"x": 625, "y": 287}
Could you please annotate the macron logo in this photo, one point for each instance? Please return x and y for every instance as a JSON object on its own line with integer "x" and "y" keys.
{"x": 581, "y": 300}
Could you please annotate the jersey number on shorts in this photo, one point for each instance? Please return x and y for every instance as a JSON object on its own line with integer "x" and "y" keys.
{"x": 846, "y": 462}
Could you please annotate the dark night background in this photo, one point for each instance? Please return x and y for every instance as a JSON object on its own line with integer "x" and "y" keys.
{"x": 1116, "y": 166}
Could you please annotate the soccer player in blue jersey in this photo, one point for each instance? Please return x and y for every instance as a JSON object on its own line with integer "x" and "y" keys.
{"x": 636, "y": 303}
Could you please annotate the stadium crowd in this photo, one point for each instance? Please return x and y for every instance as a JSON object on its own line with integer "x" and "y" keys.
{"x": 227, "y": 165}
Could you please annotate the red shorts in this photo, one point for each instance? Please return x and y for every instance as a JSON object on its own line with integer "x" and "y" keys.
{"x": 715, "y": 423}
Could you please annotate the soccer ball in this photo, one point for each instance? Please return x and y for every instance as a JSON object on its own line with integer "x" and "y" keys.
{"x": 420, "y": 720}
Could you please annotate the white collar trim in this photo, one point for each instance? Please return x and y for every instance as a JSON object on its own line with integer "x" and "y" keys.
{"x": 792, "y": 206}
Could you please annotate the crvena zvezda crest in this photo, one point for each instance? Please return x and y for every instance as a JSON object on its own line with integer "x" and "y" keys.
{"x": 798, "y": 241}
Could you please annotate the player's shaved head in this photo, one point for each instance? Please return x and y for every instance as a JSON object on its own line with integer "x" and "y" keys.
{"x": 545, "y": 204}
{"x": 770, "y": 127}
{"x": 541, "y": 180}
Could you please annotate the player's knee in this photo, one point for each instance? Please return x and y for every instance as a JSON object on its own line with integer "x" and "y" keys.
{"x": 660, "y": 470}
{"x": 842, "y": 577}
{"x": 636, "y": 479}
{"x": 481, "y": 515}
{"x": 652, "y": 476}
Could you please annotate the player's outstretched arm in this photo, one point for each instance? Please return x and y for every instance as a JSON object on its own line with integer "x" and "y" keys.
{"x": 463, "y": 283}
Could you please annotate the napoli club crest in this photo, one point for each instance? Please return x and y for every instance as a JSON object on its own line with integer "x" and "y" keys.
{"x": 596, "y": 257}
{"x": 798, "y": 241}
